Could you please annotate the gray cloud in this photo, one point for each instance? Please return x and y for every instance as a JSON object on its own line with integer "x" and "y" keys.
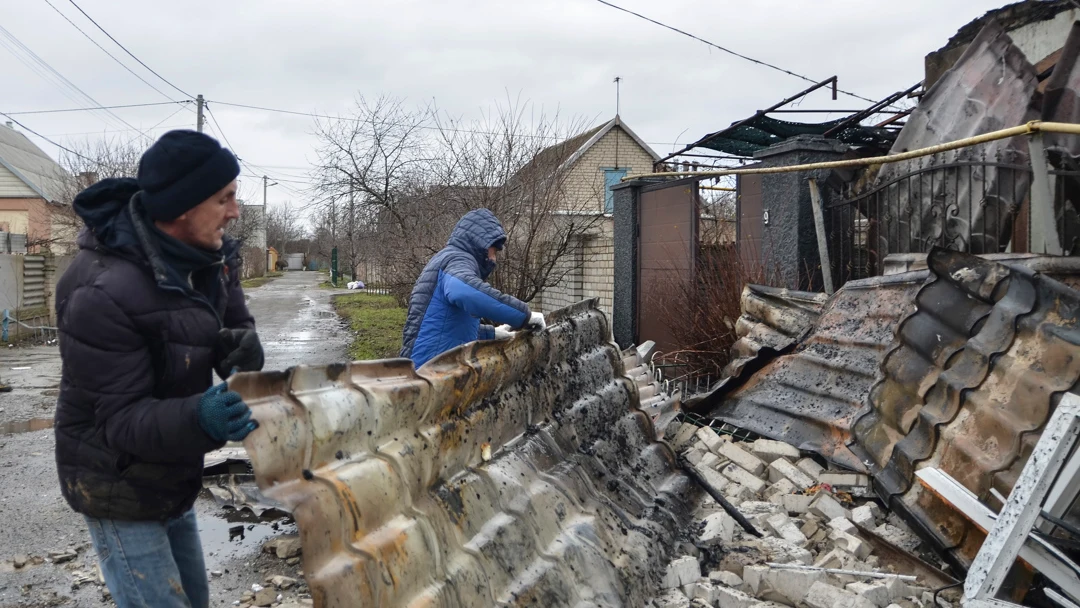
{"x": 466, "y": 55}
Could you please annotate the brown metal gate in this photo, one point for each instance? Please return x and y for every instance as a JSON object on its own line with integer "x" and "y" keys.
{"x": 750, "y": 228}
{"x": 667, "y": 246}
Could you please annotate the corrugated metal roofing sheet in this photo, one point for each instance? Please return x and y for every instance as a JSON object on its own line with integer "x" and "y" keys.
{"x": 972, "y": 379}
{"x": 519, "y": 472}
{"x": 810, "y": 397}
{"x": 956, "y": 366}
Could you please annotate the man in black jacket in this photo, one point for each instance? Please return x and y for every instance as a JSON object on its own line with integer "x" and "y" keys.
{"x": 148, "y": 310}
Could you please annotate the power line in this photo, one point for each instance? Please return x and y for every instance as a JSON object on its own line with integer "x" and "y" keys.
{"x": 29, "y": 130}
{"x": 132, "y": 55}
{"x": 36, "y": 64}
{"x": 729, "y": 51}
{"x": 556, "y": 138}
{"x": 130, "y": 105}
{"x": 123, "y": 65}
{"x": 250, "y": 166}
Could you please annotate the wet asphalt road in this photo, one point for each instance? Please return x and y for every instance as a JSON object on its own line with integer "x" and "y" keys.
{"x": 296, "y": 324}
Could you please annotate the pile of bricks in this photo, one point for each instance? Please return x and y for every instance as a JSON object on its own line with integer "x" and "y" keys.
{"x": 807, "y": 516}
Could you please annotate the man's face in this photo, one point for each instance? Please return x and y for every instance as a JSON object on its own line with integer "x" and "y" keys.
{"x": 204, "y": 225}
{"x": 491, "y": 253}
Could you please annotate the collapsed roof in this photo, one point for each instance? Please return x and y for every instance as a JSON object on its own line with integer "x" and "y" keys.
{"x": 957, "y": 366}
{"x": 524, "y": 472}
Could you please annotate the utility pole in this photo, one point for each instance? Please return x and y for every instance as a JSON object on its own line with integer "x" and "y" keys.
{"x": 265, "y": 185}
{"x": 199, "y": 102}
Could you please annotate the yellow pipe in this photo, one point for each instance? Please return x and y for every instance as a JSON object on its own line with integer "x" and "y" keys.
{"x": 1035, "y": 126}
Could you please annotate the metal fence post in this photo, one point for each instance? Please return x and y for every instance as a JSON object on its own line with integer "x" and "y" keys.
{"x": 1044, "y": 235}
{"x": 822, "y": 241}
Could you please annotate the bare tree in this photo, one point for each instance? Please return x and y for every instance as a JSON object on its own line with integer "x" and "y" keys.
{"x": 83, "y": 163}
{"x": 400, "y": 179}
{"x": 283, "y": 226}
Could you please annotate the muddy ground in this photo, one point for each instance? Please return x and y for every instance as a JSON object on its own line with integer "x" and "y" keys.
{"x": 296, "y": 324}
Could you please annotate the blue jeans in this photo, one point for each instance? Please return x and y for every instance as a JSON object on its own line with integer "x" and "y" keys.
{"x": 152, "y": 563}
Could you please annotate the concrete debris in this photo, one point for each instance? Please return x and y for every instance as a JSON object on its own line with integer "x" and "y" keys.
{"x": 843, "y": 525}
{"x": 743, "y": 477}
{"x": 737, "y": 494}
{"x": 786, "y": 529}
{"x": 797, "y": 504}
{"x": 673, "y": 598}
{"x": 822, "y": 595}
{"x": 726, "y": 597}
{"x": 682, "y": 571}
{"x": 845, "y": 481}
{"x": 877, "y": 593}
{"x": 864, "y": 516}
{"x": 778, "y": 489}
{"x": 709, "y": 437}
{"x": 752, "y": 464}
{"x": 694, "y": 455}
{"x": 19, "y": 561}
{"x": 782, "y": 469}
{"x": 827, "y": 508}
{"x": 811, "y": 468}
{"x": 723, "y": 577}
{"x": 60, "y": 557}
{"x": 710, "y": 460}
{"x": 719, "y": 528}
{"x": 712, "y": 477}
{"x": 813, "y": 553}
{"x": 905, "y": 540}
{"x": 783, "y": 552}
{"x": 769, "y": 450}
{"x": 283, "y": 582}
{"x": 284, "y": 547}
{"x": 683, "y": 436}
{"x": 265, "y": 597}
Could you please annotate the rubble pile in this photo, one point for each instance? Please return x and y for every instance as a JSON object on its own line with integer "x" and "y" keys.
{"x": 278, "y": 591}
{"x": 815, "y": 525}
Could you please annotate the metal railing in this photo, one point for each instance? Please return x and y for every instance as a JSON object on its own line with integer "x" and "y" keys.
{"x": 963, "y": 200}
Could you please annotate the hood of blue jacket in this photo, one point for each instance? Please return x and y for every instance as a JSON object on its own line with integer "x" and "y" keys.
{"x": 474, "y": 233}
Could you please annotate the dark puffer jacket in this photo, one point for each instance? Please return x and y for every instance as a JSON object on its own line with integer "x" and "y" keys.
{"x": 138, "y": 350}
{"x": 451, "y": 297}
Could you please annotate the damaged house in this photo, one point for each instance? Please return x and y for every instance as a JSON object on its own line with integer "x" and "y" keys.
{"x": 889, "y": 427}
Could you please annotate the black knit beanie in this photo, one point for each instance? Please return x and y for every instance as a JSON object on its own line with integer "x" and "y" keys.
{"x": 181, "y": 170}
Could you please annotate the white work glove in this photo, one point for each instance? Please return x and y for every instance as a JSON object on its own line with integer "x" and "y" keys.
{"x": 503, "y": 331}
{"x": 536, "y": 321}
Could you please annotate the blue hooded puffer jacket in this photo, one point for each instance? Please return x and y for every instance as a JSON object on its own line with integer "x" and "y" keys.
{"x": 451, "y": 297}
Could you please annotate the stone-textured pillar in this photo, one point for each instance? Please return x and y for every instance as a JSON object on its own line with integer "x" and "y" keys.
{"x": 624, "y": 298}
{"x": 789, "y": 241}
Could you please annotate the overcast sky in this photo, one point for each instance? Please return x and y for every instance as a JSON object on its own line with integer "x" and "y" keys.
{"x": 466, "y": 55}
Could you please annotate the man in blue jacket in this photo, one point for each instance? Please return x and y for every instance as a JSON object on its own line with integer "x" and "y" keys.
{"x": 451, "y": 297}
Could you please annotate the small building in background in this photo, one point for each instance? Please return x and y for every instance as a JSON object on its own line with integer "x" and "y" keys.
{"x": 32, "y": 198}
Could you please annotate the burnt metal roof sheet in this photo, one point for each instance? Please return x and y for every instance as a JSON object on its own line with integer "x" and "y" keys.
{"x": 975, "y": 372}
{"x": 955, "y": 366}
{"x": 810, "y": 397}
{"x": 519, "y": 472}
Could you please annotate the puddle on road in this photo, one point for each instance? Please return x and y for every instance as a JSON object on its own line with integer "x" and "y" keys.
{"x": 238, "y": 534}
{"x": 25, "y": 426}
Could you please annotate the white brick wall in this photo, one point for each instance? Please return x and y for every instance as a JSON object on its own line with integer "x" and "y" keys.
{"x": 584, "y": 187}
{"x": 593, "y": 260}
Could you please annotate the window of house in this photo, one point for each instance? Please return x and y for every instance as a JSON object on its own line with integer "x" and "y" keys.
{"x": 612, "y": 177}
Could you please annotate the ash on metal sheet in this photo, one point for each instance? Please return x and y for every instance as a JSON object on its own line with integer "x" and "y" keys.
{"x": 821, "y": 545}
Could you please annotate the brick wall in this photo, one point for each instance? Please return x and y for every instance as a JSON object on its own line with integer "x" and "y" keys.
{"x": 584, "y": 187}
{"x": 588, "y": 272}
{"x": 591, "y": 264}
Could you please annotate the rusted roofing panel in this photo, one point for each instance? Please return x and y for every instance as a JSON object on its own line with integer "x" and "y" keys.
{"x": 972, "y": 379}
{"x": 773, "y": 319}
{"x": 991, "y": 87}
{"x": 388, "y": 473}
{"x": 809, "y": 398}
